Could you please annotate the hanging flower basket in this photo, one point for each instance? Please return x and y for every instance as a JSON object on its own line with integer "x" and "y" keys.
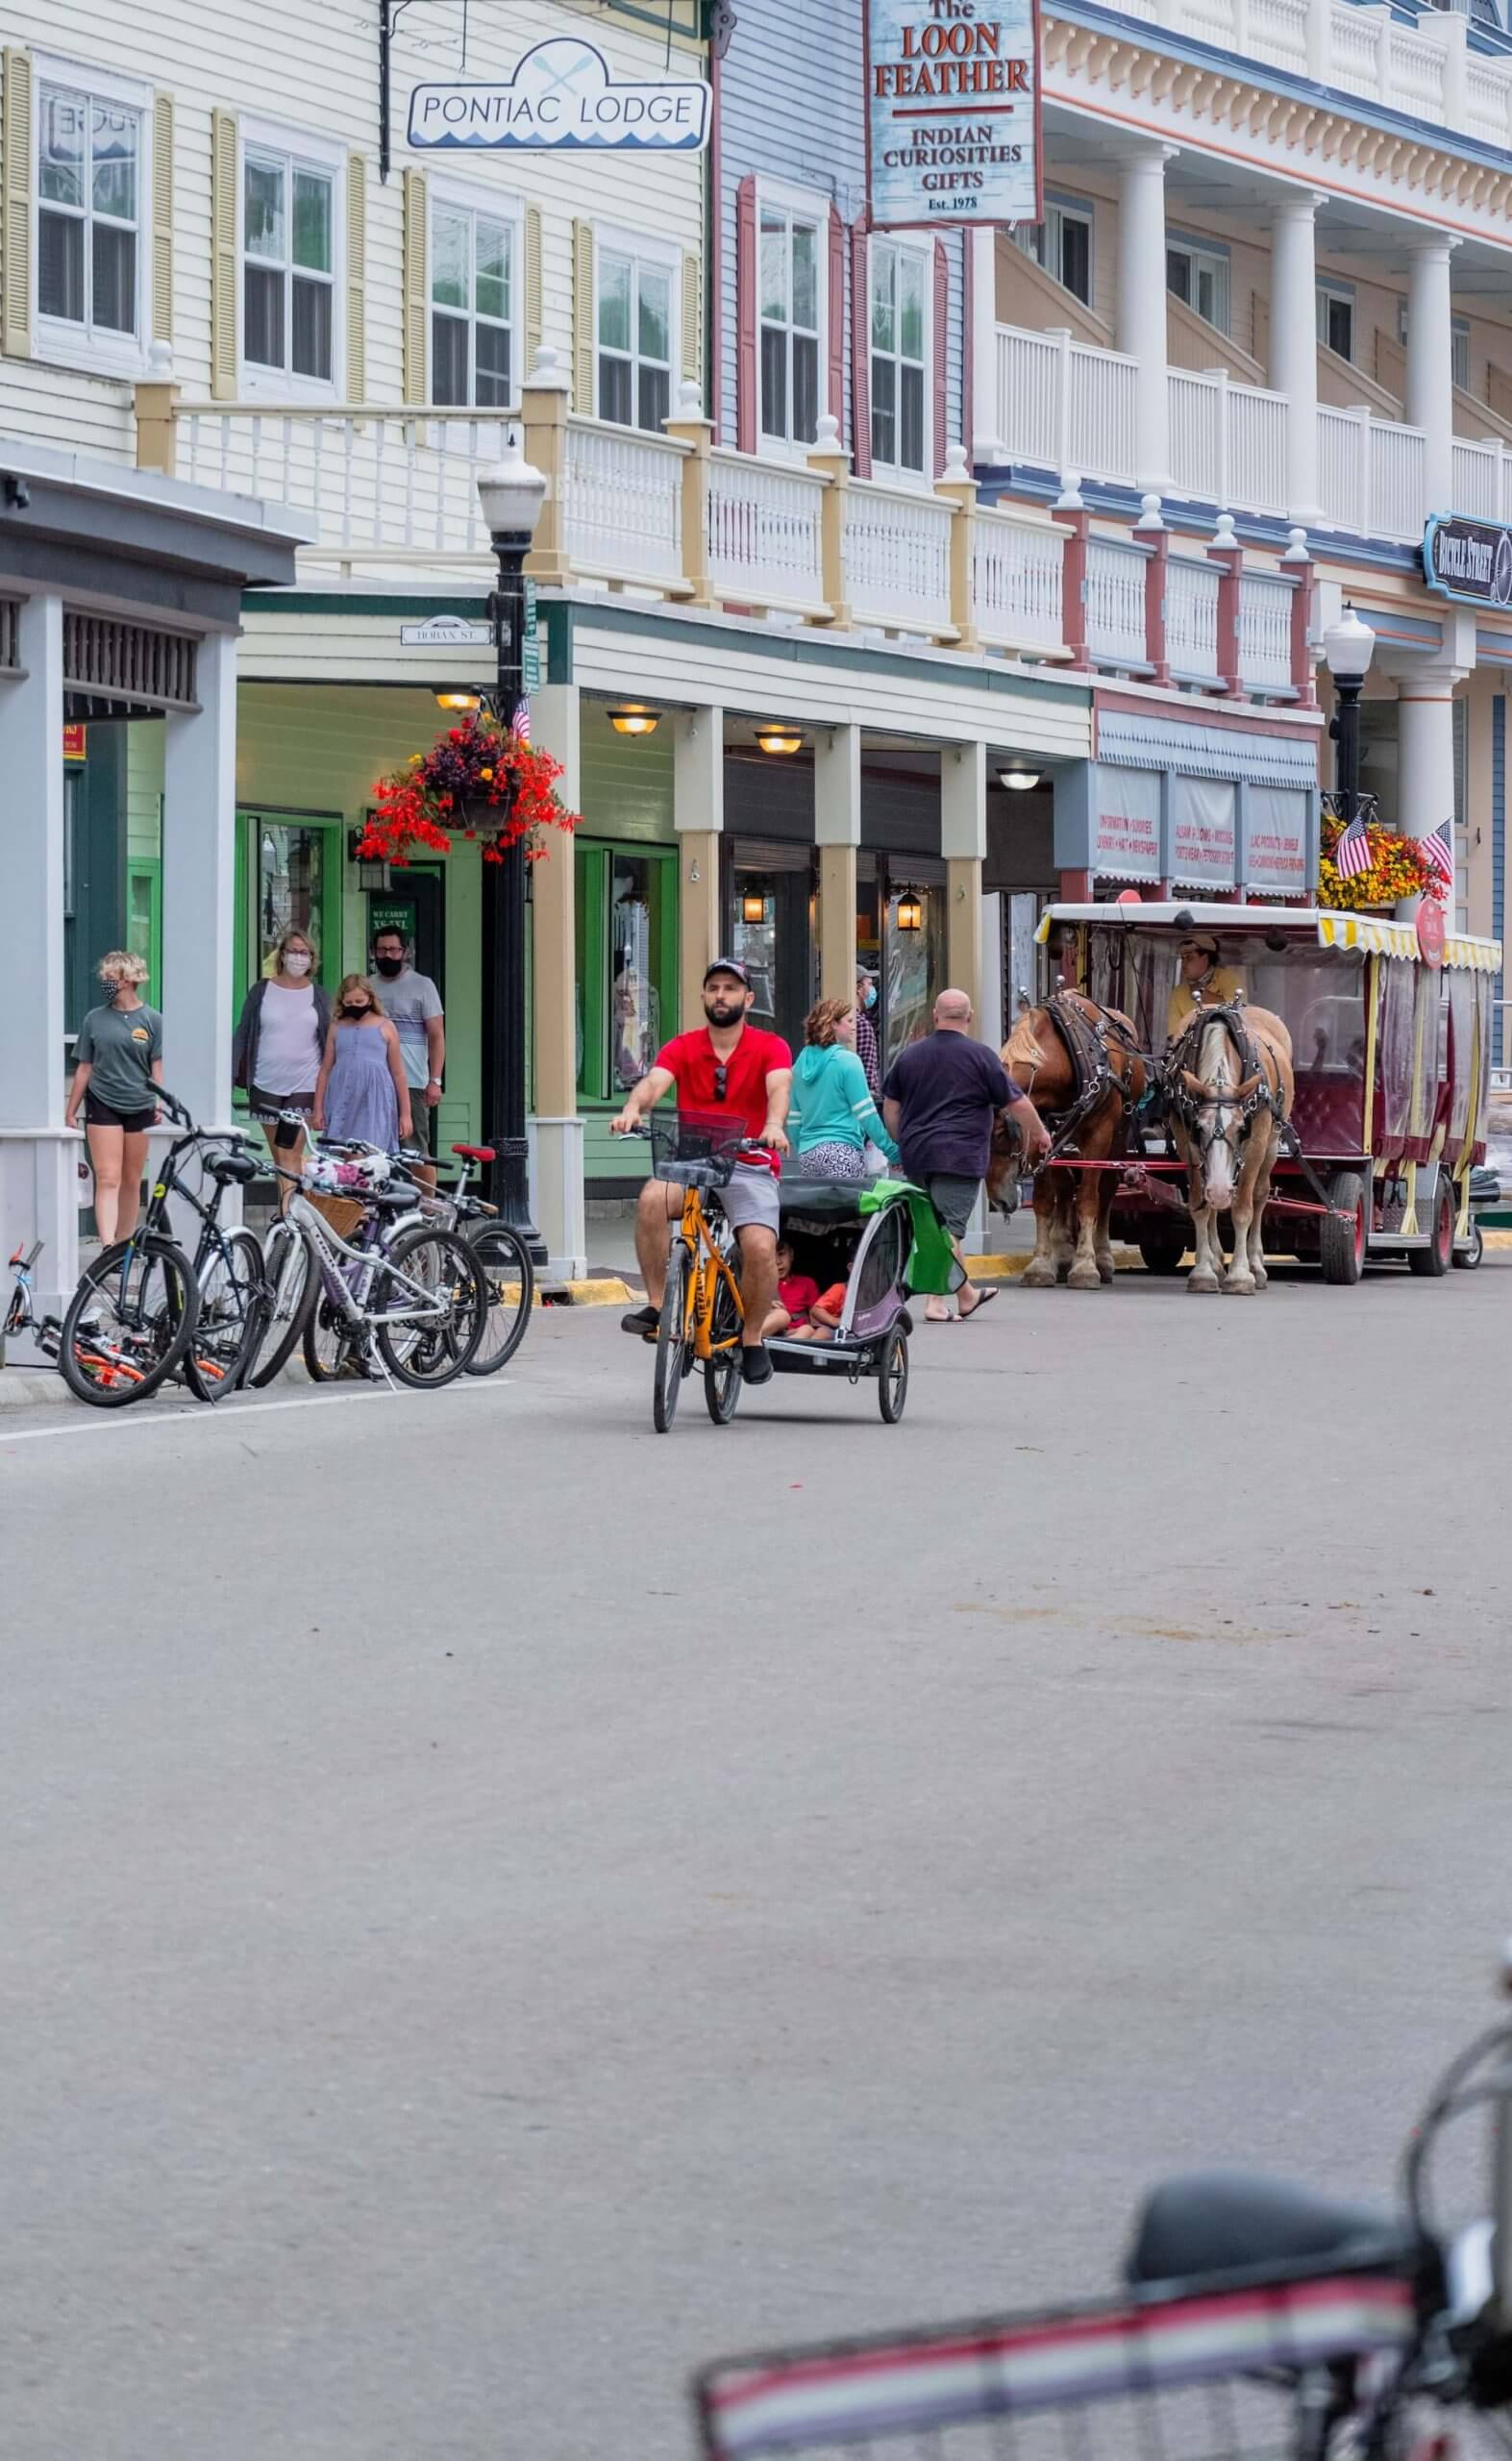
{"x": 1398, "y": 868}
{"x": 475, "y": 782}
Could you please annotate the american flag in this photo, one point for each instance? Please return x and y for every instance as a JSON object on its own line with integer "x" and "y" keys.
{"x": 1352, "y": 853}
{"x": 1439, "y": 851}
{"x": 520, "y": 723}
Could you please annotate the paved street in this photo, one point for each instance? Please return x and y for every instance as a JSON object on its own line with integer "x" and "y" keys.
{"x": 501, "y": 1906}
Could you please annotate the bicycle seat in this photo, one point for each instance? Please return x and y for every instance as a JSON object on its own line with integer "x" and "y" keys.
{"x": 1234, "y": 2220}
{"x": 477, "y": 1152}
{"x": 232, "y": 1170}
{"x": 391, "y": 1200}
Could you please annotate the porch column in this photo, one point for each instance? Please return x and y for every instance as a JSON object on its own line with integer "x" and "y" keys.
{"x": 38, "y": 1158}
{"x": 1426, "y": 752}
{"x": 1430, "y": 368}
{"x": 1142, "y": 306}
{"x": 555, "y": 1129}
{"x": 698, "y": 815}
{"x": 837, "y": 833}
{"x": 986, "y": 439}
{"x": 1294, "y": 347}
{"x": 964, "y": 842}
{"x": 199, "y": 845}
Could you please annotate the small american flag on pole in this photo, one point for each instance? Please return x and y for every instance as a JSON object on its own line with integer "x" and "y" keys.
{"x": 1353, "y": 853}
{"x": 1440, "y": 851}
{"x": 520, "y": 723}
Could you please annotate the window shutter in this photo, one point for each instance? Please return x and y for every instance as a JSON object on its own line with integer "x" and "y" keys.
{"x": 416, "y": 388}
{"x": 746, "y": 307}
{"x": 582, "y": 318}
{"x": 223, "y": 256}
{"x": 15, "y": 207}
{"x": 860, "y": 364}
{"x": 162, "y": 218}
{"x": 534, "y": 290}
{"x": 357, "y": 278}
{"x": 942, "y": 344}
{"x": 837, "y": 321}
{"x": 693, "y": 323}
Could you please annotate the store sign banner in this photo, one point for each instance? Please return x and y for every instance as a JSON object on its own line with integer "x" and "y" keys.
{"x": 1276, "y": 842}
{"x": 1203, "y": 816}
{"x": 1126, "y": 825}
{"x": 561, "y": 98}
{"x": 953, "y": 105}
{"x": 1471, "y": 560}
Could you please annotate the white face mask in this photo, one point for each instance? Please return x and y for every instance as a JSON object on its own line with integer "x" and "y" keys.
{"x": 295, "y": 961}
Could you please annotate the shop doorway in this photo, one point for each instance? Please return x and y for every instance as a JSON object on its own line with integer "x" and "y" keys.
{"x": 416, "y": 906}
{"x": 770, "y": 930}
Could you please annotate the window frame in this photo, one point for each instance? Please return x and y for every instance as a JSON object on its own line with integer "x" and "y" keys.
{"x": 60, "y": 342}
{"x": 1031, "y": 236}
{"x": 1329, "y": 292}
{"x": 1181, "y": 244}
{"x": 899, "y": 473}
{"x": 594, "y": 858}
{"x": 505, "y": 206}
{"x": 805, "y": 206}
{"x": 298, "y": 150}
{"x": 656, "y": 255}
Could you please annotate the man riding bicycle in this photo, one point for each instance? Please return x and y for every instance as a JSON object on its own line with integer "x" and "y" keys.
{"x": 732, "y": 1069}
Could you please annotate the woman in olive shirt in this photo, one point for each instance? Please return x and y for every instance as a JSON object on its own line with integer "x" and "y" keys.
{"x": 119, "y": 1056}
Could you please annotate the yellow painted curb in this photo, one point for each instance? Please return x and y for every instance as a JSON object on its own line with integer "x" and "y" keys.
{"x": 585, "y": 1294}
{"x": 1498, "y": 1238}
{"x": 1009, "y": 1268}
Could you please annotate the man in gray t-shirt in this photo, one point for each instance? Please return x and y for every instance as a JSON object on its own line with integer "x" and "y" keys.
{"x": 413, "y": 1002}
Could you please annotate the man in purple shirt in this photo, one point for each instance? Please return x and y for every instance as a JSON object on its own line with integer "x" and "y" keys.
{"x": 939, "y": 1100}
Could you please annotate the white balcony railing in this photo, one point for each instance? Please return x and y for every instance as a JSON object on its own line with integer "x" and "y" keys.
{"x": 1016, "y": 581}
{"x": 1483, "y": 479}
{"x": 1116, "y": 603}
{"x": 622, "y": 503}
{"x": 898, "y": 558}
{"x": 764, "y": 532}
{"x": 1371, "y": 475}
{"x": 1228, "y": 442}
{"x": 1063, "y": 406}
{"x": 401, "y": 480}
{"x": 1192, "y": 620}
{"x": 1265, "y": 631}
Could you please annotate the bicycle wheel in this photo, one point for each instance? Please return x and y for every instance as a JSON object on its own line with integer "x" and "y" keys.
{"x": 674, "y": 1339}
{"x": 722, "y": 1372}
{"x": 229, "y": 1324}
{"x": 428, "y": 1352}
{"x": 506, "y": 1260}
{"x": 129, "y": 1323}
{"x": 290, "y": 1279}
{"x": 328, "y": 1337}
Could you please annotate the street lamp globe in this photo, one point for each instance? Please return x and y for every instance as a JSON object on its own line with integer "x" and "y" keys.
{"x": 511, "y": 493}
{"x": 1349, "y": 646}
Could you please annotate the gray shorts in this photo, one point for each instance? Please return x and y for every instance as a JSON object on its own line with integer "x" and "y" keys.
{"x": 954, "y": 1199}
{"x": 751, "y": 1197}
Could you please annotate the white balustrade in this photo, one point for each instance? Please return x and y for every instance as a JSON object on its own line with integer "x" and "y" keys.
{"x": 1116, "y": 603}
{"x": 1363, "y": 51}
{"x": 897, "y": 556}
{"x": 1064, "y": 406}
{"x": 1477, "y": 479}
{"x": 1399, "y": 482}
{"x": 764, "y": 532}
{"x": 1372, "y": 475}
{"x": 405, "y": 481}
{"x": 1192, "y": 620}
{"x": 1279, "y": 31}
{"x": 1228, "y": 442}
{"x": 1016, "y": 581}
{"x": 622, "y": 503}
{"x": 1265, "y": 631}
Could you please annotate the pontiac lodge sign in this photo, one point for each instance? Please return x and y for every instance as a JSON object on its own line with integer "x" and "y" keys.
{"x": 953, "y": 112}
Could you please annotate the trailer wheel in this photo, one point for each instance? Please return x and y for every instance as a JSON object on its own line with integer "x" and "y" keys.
{"x": 1468, "y": 1257}
{"x": 1428, "y": 1262}
{"x": 1341, "y": 1245}
{"x": 1163, "y": 1251}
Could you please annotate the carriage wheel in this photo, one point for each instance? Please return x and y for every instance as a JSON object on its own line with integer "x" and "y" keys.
{"x": 1429, "y": 1262}
{"x": 892, "y": 1377}
{"x": 1468, "y": 1257}
{"x": 1163, "y": 1251}
{"x": 1341, "y": 1245}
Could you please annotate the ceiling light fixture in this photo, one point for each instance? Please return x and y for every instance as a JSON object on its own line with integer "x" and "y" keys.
{"x": 452, "y": 699}
{"x": 779, "y": 738}
{"x": 633, "y": 720}
{"x": 1018, "y": 777}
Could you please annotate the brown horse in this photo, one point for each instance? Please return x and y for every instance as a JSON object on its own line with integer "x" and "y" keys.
{"x": 1072, "y": 1058}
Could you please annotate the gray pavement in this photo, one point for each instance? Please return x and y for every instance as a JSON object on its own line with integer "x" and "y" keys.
{"x": 502, "y": 1906}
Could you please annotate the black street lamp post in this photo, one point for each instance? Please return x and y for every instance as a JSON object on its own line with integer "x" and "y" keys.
{"x": 1348, "y": 647}
{"x": 511, "y": 495}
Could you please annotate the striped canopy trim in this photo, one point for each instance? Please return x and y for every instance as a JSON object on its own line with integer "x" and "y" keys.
{"x": 807, "y": 2403}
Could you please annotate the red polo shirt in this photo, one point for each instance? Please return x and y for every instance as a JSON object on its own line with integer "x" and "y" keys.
{"x": 691, "y": 1059}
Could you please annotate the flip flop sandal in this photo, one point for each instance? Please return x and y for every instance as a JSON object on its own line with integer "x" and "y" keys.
{"x": 964, "y": 1315}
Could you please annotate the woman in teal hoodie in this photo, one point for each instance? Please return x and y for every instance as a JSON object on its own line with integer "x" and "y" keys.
{"x": 830, "y": 1114}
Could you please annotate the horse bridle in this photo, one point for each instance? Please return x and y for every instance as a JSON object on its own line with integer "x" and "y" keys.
{"x": 1188, "y": 1107}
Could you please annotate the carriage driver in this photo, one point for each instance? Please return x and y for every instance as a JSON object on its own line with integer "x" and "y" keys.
{"x": 1204, "y": 983}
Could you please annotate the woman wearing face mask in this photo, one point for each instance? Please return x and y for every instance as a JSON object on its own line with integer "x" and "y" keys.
{"x": 866, "y": 1050}
{"x": 362, "y": 1091}
{"x": 280, "y": 1039}
{"x": 119, "y": 1055}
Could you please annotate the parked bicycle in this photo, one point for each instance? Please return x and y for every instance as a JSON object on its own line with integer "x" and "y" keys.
{"x": 144, "y": 1311}
{"x": 20, "y": 1315}
{"x": 499, "y": 1248}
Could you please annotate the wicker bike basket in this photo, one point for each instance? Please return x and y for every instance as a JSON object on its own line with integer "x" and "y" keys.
{"x": 343, "y": 1213}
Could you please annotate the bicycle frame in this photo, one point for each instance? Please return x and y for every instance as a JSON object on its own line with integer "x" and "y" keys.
{"x": 711, "y": 1265}
{"x": 352, "y": 1303}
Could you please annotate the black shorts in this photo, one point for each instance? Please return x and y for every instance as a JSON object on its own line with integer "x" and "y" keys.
{"x": 98, "y": 1114}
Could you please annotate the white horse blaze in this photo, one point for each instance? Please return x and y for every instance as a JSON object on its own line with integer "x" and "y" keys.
{"x": 1215, "y": 1063}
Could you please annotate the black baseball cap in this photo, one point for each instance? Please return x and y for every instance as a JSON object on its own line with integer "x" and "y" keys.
{"x": 728, "y": 966}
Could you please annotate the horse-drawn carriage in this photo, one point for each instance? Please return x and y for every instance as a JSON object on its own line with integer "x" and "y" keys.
{"x": 1390, "y": 1055}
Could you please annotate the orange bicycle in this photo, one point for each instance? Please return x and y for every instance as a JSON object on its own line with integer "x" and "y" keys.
{"x": 703, "y": 1321}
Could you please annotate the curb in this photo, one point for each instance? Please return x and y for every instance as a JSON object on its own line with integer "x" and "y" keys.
{"x": 1011, "y": 1268}
{"x": 603, "y": 1291}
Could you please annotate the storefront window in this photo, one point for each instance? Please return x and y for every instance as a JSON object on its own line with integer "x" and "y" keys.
{"x": 627, "y": 965}
{"x": 915, "y": 968}
{"x": 635, "y": 1034}
{"x": 290, "y": 886}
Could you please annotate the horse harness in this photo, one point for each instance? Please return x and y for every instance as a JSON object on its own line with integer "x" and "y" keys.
{"x": 1086, "y": 1042}
{"x": 1188, "y": 1107}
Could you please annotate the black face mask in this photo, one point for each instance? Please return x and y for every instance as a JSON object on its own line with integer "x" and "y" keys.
{"x": 389, "y": 966}
{"x": 358, "y": 1009}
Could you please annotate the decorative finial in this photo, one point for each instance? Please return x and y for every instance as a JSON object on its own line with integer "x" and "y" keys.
{"x": 1296, "y": 547}
{"x": 1149, "y": 513}
{"x": 1070, "y": 498}
{"x": 1223, "y": 535}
